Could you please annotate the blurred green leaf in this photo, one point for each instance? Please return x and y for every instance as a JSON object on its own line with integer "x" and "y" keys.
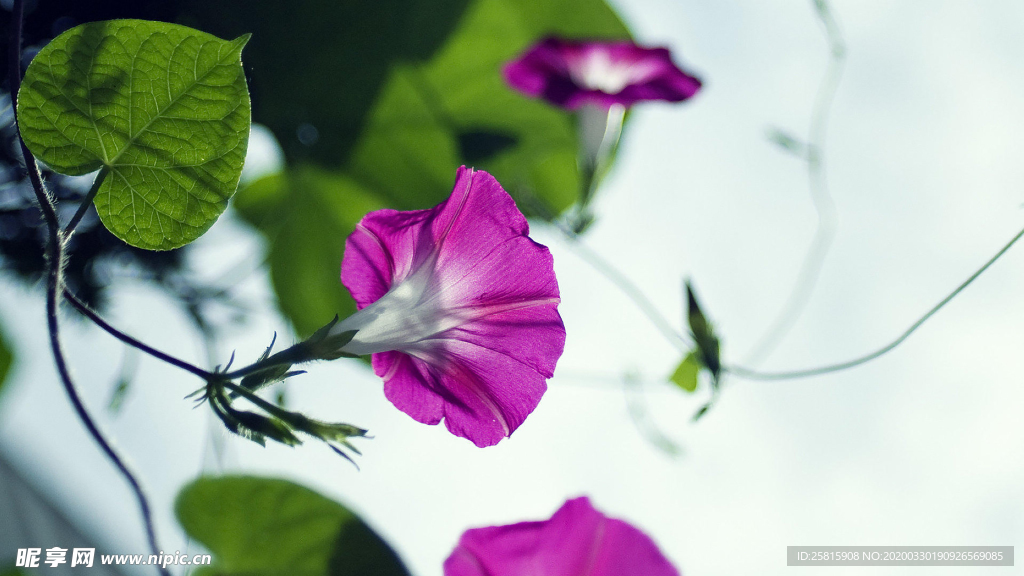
{"x": 708, "y": 345}
{"x": 118, "y": 395}
{"x": 787, "y": 142}
{"x": 685, "y": 375}
{"x": 268, "y": 527}
{"x": 456, "y": 108}
{"x": 163, "y": 108}
{"x": 129, "y": 367}
{"x": 6, "y": 360}
{"x": 306, "y": 215}
{"x": 320, "y": 64}
{"x": 395, "y": 117}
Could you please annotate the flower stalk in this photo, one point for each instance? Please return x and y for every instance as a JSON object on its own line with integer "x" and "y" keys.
{"x": 599, "y": 131}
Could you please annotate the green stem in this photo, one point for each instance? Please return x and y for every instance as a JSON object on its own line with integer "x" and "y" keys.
{"x": 594, "y": 162}
{"x": 86, "y": 202}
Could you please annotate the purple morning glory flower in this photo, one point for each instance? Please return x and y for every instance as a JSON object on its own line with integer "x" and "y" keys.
{"x": 570, "y": 74}
{"x": 457, "y": 305}
{"x": 577, "y": 541}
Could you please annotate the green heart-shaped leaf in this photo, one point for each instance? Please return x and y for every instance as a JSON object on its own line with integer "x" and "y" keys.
{"x": 164, "y": 109}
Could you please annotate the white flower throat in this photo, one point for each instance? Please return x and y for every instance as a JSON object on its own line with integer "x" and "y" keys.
{"x": 597, "y": 71}
{"x": 410, "y": 312}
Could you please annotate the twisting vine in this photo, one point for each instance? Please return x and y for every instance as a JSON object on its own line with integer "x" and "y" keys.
{"x": 56, "y": 241}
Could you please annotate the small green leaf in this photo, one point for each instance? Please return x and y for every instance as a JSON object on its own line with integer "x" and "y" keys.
{"x": 685, "y": 375}
{"x": 708, "y": 346}
{"x": 264, "y": 527}
{"x": 161, "y": 107}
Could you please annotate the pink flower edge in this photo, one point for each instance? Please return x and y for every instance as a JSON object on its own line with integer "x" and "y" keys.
{"x": 577, "y": 541}
{"x": 476, "y": 341}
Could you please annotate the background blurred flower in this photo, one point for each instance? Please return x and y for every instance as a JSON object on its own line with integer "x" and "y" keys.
{"x": 577, "y": 540}
{"x": 458, "y": 307}
{"x": 570, "y": 74}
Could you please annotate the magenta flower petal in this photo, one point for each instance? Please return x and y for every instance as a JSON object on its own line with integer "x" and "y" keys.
{"x": 458, "y": 307}
{"x": 577, "y": 541}
{"x": 571, "y": 74}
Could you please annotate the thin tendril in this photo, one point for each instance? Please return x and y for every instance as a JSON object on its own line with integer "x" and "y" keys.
{"x": 744, "y": 372}
{"x": 824, "y": 205}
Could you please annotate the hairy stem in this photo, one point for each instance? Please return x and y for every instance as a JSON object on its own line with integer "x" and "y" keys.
{"x": 86, "y": 202}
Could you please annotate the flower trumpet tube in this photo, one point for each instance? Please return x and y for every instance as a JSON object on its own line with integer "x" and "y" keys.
{"x": 571, "y": 74}
{"x": 576, "y": 540}
{"x": 458, "y": 307}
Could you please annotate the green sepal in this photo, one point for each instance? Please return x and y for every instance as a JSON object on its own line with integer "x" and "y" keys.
{"x": 269, "y": 375}
{"x": 324, "y": 346}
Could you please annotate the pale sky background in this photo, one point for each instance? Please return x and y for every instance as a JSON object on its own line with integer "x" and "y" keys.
{"x": 922, "y": 447}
